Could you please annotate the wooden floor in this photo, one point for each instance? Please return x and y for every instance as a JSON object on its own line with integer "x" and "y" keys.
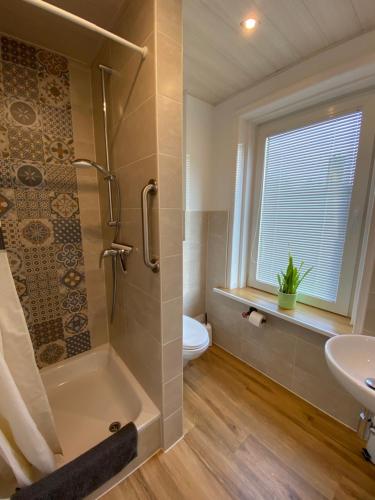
{"x": 248, "y": 438}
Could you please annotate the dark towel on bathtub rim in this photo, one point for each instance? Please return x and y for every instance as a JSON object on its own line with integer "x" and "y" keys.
{"x": 86, "y": 473}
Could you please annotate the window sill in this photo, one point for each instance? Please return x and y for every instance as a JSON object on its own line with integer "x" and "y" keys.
{"x": 317, "y": 320}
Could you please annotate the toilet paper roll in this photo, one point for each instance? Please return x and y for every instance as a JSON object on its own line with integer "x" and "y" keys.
{"x": 257, "y": 319}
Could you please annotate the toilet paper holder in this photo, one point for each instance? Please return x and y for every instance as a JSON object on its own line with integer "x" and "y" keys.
{"x": 246, "y": 314}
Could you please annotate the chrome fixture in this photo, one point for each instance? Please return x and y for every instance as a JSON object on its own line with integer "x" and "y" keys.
{"x": 150, "y": 188}
{"x": 117, "y": 251}
{"x": 370, "y": 382}
{"x": 53, "y": 9}
{"x": 112, "y": 180}
{"x": 84, "y": 163}
{"x": 104, "y": 70}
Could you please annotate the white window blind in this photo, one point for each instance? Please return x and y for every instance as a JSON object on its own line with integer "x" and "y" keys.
{"x": 307, "y": 187}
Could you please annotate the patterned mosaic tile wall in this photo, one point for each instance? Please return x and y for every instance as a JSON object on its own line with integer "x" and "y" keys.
{"x": 38, "y": 199}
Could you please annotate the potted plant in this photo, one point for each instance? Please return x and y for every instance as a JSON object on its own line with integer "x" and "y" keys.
{"x": 289, "y": 281}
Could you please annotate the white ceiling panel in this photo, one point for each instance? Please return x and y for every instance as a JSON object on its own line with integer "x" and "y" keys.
{"x": 220, "y": 59}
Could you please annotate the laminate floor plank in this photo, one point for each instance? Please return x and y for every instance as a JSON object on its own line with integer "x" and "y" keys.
{"x": 247, "y": 437}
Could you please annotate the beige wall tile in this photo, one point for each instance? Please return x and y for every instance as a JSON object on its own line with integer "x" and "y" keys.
{"x": 169, "y": 19}
{"x": 172, "y": 429}
{"x": 194, "y": 262}
{"x": 136, "y": 22}
{"x": 133, "y": 178}
{"x": 196, "y": 226}
{"x": 170, "y": 221}
{"x": 171, "y": 320}
{"x": 133, "y": 140}
{"x": 172, "y": 359}
{"x": 132, "y": 82}
{"x": 372, "y": 288}
{"x": 194, "y": 301}
{"x": 169, "y": 119}
{"x": 146, "y": 312}
{"x": 169, "y": 68}
{"x": 171, "y": 284}
{"x": 170, "y": 181}
{"x": 369, "y": 326}
{"x": 172, "y": 399}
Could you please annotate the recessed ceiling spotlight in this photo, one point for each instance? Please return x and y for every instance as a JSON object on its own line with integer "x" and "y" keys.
{"x": 249, "y": 24}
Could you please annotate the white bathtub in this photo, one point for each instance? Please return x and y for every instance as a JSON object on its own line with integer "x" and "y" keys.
{"x": 90, "y": 391}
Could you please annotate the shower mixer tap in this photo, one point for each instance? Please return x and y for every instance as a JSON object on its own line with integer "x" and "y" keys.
{"x": 117, "y": 250}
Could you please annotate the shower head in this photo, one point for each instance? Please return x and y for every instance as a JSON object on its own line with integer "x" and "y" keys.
{"x": 83, "y": 163}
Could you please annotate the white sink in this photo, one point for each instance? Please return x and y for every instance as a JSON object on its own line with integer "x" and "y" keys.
{"x": 351, "y": 359}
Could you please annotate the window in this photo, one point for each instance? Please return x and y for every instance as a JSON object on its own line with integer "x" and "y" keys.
{"x": 309, "y": 201}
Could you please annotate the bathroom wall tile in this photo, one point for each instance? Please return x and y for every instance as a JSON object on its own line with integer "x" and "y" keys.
{"x": 372, "y": 287}
{"x": 218, "y": 224}
{"x": 170, "y": 223}
{"x": 170, "y": 181}
{"x": 196, "y": 227}
{"x": 46, "y": 229}
{"x": 134, "y": 177}
{"x": 51, "y": 353}
{"x": 172, "y": 398}
{"x": 136, "y": 21}
{"x": 134, "y": 141}
{"x": 172, "y": 359}
{"x": 195, "y": 256}
{"x": 217, "y": 249}
{"x": 172, "y": 429}
{"x": 369, "y": 325}
{"x": 78, "y": 343}
{"x": 169, "y": 117}
{"x": 171, "y": 284}
{"x": 171, "y": 320}
{"x": 146, "y": 312}
{"x": 19, "y": 81}
{"x": 169, "y": 68}
{"x": 169, "y": 19}
{"x": 133, "y": 80}
{"x": 18, "y": 52}
{"x": 194, "y": 262}
{"x": 141, "y": 276}
{"x": 227, "y": 339}
{"x": 194, "y": 301}
{"x": 97, "y": 303}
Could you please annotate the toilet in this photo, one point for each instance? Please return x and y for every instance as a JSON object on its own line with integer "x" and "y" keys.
{"x": 195, "y": 339}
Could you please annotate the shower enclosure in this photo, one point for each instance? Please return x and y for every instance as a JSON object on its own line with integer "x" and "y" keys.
{"x": 60, "y": 220}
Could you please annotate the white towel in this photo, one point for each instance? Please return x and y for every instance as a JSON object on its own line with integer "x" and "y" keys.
{"x": 28, "y": 438}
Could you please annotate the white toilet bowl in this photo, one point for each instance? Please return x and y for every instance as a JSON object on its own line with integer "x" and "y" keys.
{"x": 195, "y": 339}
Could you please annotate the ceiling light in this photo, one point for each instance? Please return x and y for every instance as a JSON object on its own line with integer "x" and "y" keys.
{"x": 249, "y": 23}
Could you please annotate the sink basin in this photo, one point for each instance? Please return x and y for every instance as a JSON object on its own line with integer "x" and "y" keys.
{"x": 351, "y": 359}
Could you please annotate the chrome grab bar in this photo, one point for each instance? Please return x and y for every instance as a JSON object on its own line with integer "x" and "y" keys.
{"x": 151, "y": 188}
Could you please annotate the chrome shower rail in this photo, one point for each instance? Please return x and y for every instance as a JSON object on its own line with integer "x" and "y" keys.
{"x": 151, "y": 188}
{"x": 86, "y": 24}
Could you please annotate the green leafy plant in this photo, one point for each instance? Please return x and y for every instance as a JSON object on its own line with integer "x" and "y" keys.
{"x": 290, "y": 280}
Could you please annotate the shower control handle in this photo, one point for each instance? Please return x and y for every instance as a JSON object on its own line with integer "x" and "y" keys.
{"x": 151, "y": 188}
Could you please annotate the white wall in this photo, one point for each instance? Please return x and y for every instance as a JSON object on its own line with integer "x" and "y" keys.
{"x": 325, "y": 72}
{"x": 198, "y": 153}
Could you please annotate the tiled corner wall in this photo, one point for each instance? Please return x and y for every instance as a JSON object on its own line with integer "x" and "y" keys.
{"x": 145, "y": 110}
{"x": 195, "y": 257}
{"x": 39, "y": 199}
{"x": 369, "y": 327}
{"x": 290, "y": 355}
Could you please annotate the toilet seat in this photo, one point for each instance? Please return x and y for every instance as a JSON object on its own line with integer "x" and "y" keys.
{"x": 195, "y": 335}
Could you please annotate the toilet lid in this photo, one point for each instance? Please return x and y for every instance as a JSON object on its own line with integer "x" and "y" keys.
{"x": 195, "y": 334}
